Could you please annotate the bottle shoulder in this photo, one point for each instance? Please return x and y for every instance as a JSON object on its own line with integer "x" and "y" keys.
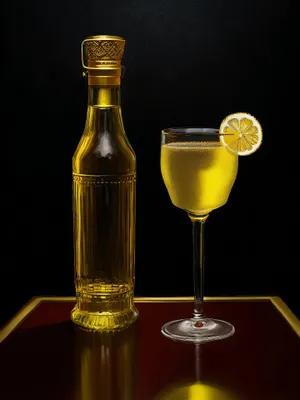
{"x": 104, "y": 153}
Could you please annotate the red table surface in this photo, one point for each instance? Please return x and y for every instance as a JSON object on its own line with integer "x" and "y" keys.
{"x": 47, "y": 357}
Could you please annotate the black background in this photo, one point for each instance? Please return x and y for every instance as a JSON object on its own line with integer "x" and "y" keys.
{"x": 187, "y": 63}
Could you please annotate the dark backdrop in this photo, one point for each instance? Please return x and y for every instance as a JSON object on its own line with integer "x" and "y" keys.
{"x": 187, "y": 63}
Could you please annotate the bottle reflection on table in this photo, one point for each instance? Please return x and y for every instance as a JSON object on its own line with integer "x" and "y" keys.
{"x": 105, "y": 364}
{"x": 197, "y": 390}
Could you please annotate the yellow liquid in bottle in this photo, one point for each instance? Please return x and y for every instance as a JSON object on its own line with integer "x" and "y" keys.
{"x": 104, "y": 191}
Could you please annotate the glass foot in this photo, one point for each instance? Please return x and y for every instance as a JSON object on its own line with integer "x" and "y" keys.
{"x": 197, "y": 331}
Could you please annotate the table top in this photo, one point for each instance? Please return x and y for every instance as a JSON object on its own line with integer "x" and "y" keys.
{"x": 43, "y": 355}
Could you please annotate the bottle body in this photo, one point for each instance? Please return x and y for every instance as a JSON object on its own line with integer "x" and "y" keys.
{"x": 104, "y": 197}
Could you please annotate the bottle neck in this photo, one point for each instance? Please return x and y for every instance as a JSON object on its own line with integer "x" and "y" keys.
{"x": 104, "y": 111}
{"x": 104, "y": 96}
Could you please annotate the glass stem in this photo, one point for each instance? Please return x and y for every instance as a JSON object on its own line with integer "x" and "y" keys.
{"x": 198, "y": 223}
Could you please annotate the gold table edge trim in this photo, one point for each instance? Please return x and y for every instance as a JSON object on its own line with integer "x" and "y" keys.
{"x": 35, "y": 301}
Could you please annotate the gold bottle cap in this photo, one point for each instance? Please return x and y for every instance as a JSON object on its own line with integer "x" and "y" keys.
{"x": 101, "y": 56}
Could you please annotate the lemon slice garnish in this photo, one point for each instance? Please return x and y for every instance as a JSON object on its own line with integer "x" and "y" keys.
{"x": 241, "y": 133}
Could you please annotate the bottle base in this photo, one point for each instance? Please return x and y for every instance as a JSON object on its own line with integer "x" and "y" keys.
{"x": 105, "y": 321}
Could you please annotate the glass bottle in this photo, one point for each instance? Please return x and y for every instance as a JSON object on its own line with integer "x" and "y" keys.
{"x": 104, "y": 196}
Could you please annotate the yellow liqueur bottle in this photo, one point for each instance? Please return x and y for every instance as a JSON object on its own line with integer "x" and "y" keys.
{"x": 104, "y": 197}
